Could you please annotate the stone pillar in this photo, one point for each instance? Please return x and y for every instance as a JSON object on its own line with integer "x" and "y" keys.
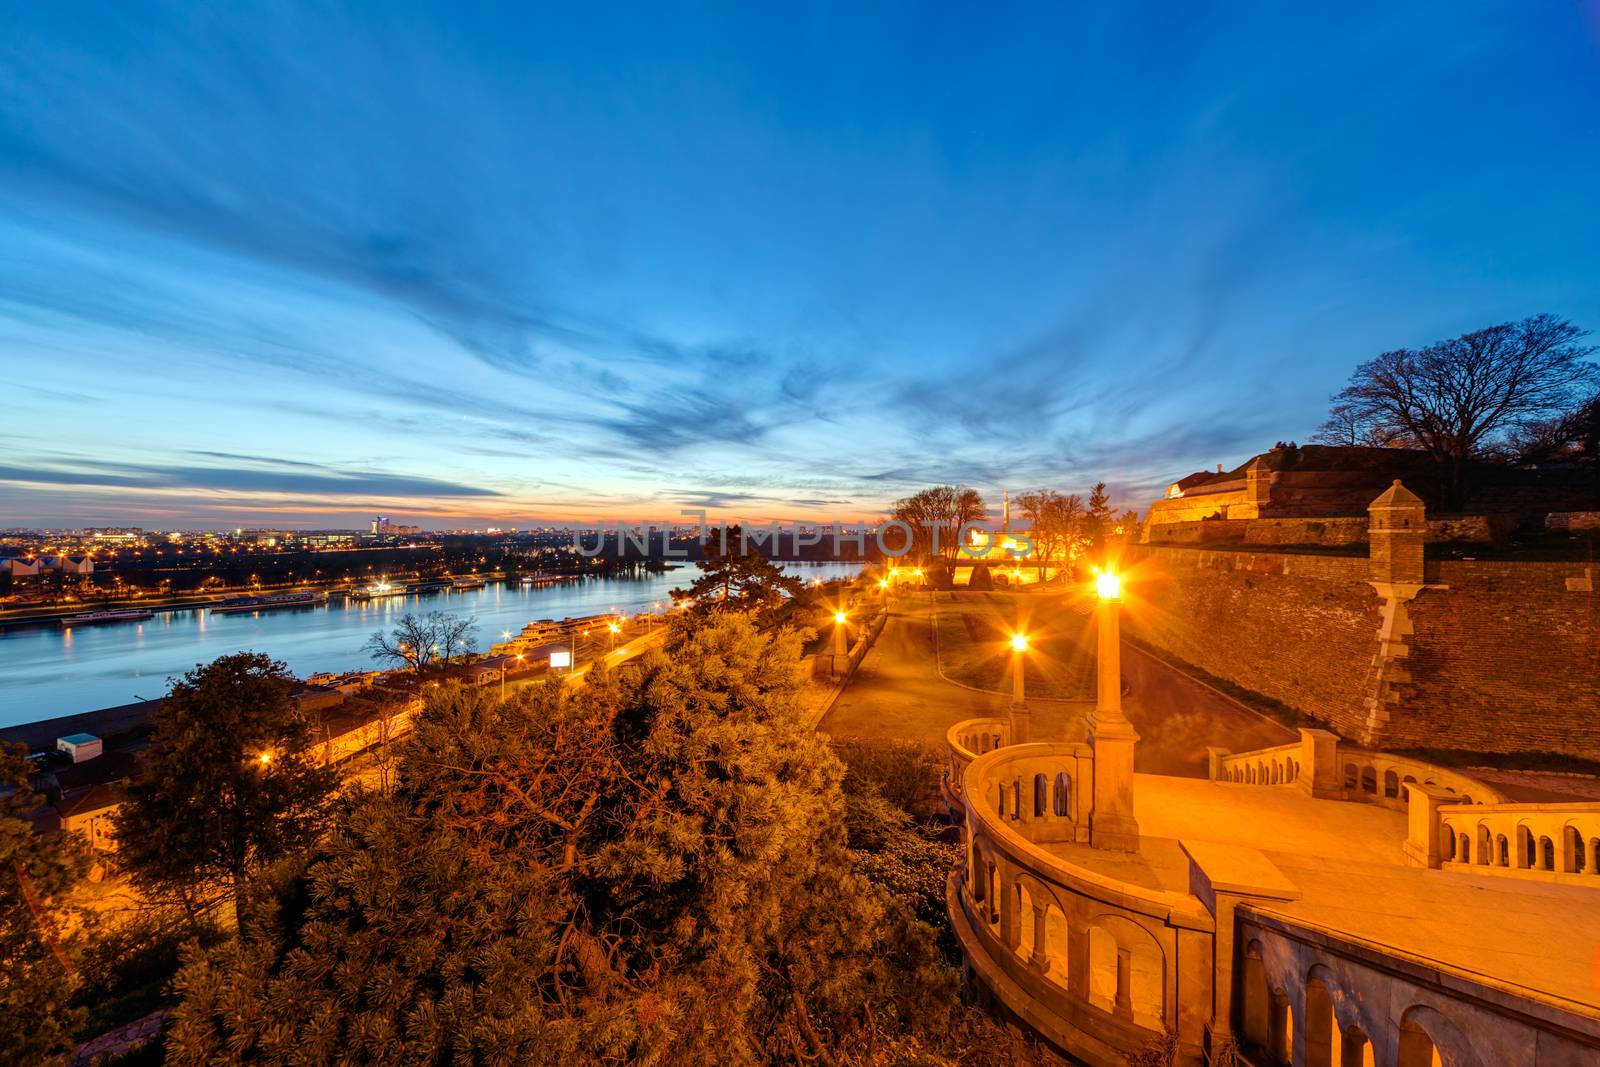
{"x": 1423, "y": 847}
{"x": 1010, "y": 921}
{"x": 1280, "y": 1015}
{"x": 1123, "y": 1006}
{"x": 1039, "y": 959}
{"x": 1214, "y": 762}
{"x": 1111, "y": 822}
{"x": 1222, "y": 877}
{"x": 1352, "y": 1048}
{"x": 1021, "y": 717}
{"x": 1078, "y": 961}
{"x": 1319, "y": 765}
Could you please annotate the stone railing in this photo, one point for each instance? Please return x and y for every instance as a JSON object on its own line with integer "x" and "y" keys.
{"x": 1544, "y": 842}
{"x": 1092, "y": 962}
{"x": 1385, "y": 778}
{"x": 1318, "y": 764}
{"x": 1306, "y": 994}
{"x": 1279, "y": 765}
{"x": 965, "y": 742}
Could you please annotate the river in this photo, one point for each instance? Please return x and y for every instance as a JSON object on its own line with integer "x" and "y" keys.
{"x": 49, "y": 670}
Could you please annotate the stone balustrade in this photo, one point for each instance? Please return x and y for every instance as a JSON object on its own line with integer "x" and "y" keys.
{"x": 1325, "y": 768}
{"x": 1279, "y": 765}
{"x": 1545, "y": 842}
{"x": 1307, "y": 995}
{"x": 1094, "y": 963}
{"x": 965, "y": 742}
{"x": 1385, "y": 778}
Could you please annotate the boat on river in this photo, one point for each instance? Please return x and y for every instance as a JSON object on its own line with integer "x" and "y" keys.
{"x": 268, "y": 603}
{"x": 117, "y": 615}
{"x": 377, "y": 590}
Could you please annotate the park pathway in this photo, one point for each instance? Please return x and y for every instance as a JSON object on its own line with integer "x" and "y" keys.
{"x": 899, "y": 693}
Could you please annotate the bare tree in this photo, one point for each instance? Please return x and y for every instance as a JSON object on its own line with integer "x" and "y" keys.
{"x": 420, "y": 643}
{"x": 1467, "y": 396}
{"x": 936, "y": 516}
{"x": 1057, "y": 523}
{"x": 1347, "y": 426}
{"x": 1573, "y": 436}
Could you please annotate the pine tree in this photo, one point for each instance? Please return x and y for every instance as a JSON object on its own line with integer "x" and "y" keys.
{"x": 735, "y": 577}
{"x": 1098, "y": 517}
{"x": 652, "y": 868}
{"x": 36, "y": 872}
{"x": 229, "y": 784}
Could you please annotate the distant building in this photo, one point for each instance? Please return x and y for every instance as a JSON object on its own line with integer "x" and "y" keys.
{"x": 27, "y": 571}
{"x": 114, "y": 533}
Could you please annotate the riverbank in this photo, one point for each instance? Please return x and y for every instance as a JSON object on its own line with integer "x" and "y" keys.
{"x": 48, "y": 671}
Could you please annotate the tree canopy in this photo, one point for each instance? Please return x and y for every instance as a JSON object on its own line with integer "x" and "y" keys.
{"x": 422, "y": 642}
{"x": 734, "y": 577}
{"x": 1467, "y": 396}
{"x": 935, "y": 517}
{"x": 228, "y": 784}
{"x": 36, "y": 872}
{"x": 652, "y": 867}
{"x": 1059, "y": 528}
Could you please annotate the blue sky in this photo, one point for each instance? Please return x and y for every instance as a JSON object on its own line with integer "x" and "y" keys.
{"x": 461, "y": 264}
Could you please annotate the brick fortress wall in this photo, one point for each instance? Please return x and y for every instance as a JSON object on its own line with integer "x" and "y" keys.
{"x": 1488, "y": 656}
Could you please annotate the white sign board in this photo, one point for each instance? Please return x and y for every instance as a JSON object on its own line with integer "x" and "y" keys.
{"x": 560, "y": 659}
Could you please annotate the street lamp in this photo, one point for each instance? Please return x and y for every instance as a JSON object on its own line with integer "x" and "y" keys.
{"x": 1019, "y": 702}
{"x": 615, "y": 630}
{"x": 503, "y": 665}
{"x": 1112, "y": 825}
{"x": 839, "y": 636}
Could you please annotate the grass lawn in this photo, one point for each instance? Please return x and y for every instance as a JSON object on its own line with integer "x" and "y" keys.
{"x": 974, "y": 631}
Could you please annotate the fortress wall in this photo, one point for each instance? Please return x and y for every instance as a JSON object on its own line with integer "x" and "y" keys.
{"x": 1345, "y": 530}
{"x": 1503, "y": 660}
{"x": 1506, "y": 658}
{"x": 1327, "y": 530}
{"x": 1183, "y": 509}
{"x": 1298, "y": 628}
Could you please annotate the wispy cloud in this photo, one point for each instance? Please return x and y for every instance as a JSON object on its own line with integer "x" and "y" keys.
{"x": 291, "y": 479}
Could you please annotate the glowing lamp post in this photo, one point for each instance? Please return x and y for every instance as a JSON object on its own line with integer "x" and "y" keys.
{"x": 503, "y": 665}
{"x": 840, "y": 638}
{"x": 1108, "y": 592}
{"x": 1111, "y": 822}
{"x": 1021, "y": 717}
{"x": 1019, "y": 646}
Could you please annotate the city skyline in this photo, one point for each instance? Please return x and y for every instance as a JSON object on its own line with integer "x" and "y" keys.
{"x": 298, "y": 267}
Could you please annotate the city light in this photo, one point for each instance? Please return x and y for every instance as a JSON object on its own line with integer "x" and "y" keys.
{"x": 1019, "y": 642}
{"x": 840, "y": 617}
{"x": 264, "y": 758}
{"x": 1108, "y": 585}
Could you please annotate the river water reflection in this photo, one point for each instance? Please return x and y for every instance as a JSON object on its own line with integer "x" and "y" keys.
{"x": 47, "y": 671}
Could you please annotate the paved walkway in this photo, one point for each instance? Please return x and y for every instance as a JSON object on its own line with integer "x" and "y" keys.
{"x": 898, "y": 692}
{"x": 1347, "y": 860}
